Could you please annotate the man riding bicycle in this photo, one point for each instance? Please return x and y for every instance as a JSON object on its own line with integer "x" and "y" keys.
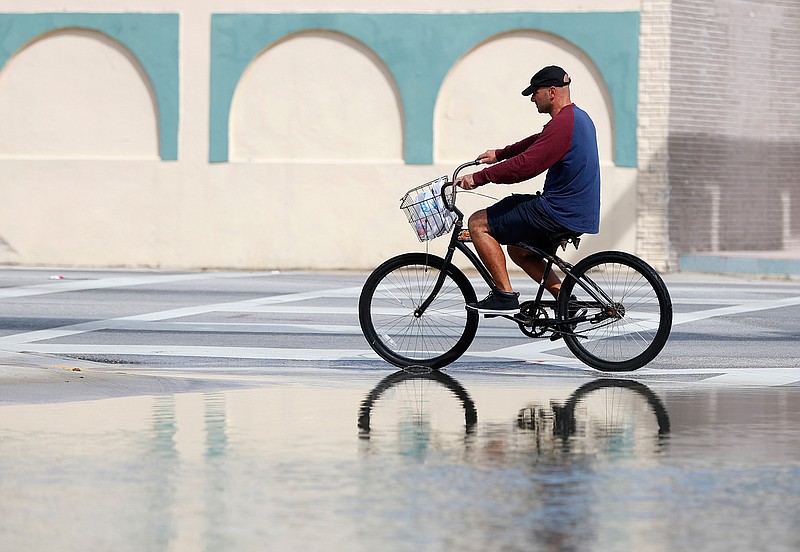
{"x": 570, "y": 201}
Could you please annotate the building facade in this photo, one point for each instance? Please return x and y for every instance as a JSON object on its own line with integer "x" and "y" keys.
{"x": 272, "y": 135}
{"x": 719, "y": 130}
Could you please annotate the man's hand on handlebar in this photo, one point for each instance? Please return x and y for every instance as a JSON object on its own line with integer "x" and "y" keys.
{"x": 466, "y": 182}
{"x": 488, "y": 157}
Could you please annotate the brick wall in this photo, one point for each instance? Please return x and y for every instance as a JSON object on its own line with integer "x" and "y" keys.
{"x": 652, "y": 231}
{"x": 733, "y": 147}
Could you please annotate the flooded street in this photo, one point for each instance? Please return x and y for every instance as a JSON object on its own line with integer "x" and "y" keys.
{"x": 245, "y": 411}
{"x": 408, "y": 461}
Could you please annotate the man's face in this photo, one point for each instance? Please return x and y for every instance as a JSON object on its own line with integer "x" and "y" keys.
{"x": 542, "y": 99}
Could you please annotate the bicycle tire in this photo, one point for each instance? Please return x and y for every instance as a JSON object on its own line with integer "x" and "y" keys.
{"x": 565, "y": 423}
{"x": 390, "y": 297}
{"x": 638, "y": 333}
{"x": 451, "y": 384}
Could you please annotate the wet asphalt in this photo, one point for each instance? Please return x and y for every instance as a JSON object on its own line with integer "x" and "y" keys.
{"x": 245, "y": 411}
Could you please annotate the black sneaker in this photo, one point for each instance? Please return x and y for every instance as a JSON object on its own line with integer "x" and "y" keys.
{"x": 497, "y": 302}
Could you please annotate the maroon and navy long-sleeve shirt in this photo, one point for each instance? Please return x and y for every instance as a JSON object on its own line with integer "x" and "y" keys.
{"x": 567, "y": 149}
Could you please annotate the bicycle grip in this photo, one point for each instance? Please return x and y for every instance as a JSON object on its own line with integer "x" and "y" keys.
{"x": 450, "y": 206}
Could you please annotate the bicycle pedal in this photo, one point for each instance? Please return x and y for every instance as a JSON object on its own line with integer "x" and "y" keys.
{"x": 524, "y": 319}
{"x": 577, "y": 314}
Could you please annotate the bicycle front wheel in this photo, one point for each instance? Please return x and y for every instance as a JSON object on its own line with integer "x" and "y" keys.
{"x": 387, "y": 311}
{"x": 629, "y": 329}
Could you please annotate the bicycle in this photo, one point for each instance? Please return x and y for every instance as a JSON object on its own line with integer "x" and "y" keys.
{"x": 613, "y": 312}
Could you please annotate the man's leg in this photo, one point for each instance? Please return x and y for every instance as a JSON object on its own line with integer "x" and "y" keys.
{"x": 534, "y": 267}
{"x": 489, "y": 250}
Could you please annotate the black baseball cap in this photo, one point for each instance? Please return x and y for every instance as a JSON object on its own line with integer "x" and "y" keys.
{"x": 552, "y": 75}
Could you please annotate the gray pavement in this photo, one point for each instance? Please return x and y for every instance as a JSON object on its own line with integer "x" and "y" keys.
{"x": 729, "y": 329}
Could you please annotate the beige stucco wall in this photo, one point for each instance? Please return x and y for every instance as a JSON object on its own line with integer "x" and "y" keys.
{"x": 315, "y": 175}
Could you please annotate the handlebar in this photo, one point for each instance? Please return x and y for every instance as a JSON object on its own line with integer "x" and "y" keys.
{"x": 452, "y": 206}
{"x": 464, "y": 166}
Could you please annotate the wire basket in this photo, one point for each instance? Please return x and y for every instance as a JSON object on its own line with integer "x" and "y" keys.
{"x": 426, "y": 211}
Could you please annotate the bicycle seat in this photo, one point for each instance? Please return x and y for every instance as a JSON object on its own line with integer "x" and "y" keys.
{"x": 550, "y": 242}
{"x": 564, "y": 238}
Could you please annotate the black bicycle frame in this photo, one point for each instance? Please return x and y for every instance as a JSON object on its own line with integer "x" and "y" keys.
{"x": 589, "y": 286}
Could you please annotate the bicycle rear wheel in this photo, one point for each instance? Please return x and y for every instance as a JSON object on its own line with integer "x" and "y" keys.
{"x": 390, "y": 297}
{"x": 631, "y": 331}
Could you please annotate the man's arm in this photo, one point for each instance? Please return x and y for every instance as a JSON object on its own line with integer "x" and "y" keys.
{"x": 492, "y": 156}
{"x": 515, "y": 149}
{"x": 542, "y": 152}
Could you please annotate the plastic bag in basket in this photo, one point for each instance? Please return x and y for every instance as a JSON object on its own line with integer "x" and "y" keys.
{"x": 431, "y": 217}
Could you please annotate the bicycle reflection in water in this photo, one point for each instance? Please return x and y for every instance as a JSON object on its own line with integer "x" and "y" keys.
{"x": 426, "y": 408}
{"x": 424, "y": 413}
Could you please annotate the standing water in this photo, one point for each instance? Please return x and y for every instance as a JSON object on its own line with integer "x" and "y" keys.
{"x": 407, "y": 461}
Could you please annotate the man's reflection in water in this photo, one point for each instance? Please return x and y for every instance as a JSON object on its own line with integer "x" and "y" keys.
{"x": 613, "y": 416}
{"x": 568, "y": 444}
{"x": 541, "y": 476}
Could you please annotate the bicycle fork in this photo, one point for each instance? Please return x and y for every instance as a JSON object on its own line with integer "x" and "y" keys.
{"x": 454, "y": 244}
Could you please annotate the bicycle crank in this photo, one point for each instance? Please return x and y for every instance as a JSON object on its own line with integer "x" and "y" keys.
{"x": 532, "y": 323}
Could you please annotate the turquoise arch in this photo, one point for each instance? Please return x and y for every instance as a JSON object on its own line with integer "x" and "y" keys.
{"x": 151, "y": 38}
{"x": 419, "y": 50}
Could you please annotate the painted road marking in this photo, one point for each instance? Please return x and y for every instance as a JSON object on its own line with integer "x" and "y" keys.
{"x": 65, "y": 286}
{"x": 533, "y": 352}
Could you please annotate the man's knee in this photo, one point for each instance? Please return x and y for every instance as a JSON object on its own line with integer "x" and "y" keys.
{"x": 478, "y": 222}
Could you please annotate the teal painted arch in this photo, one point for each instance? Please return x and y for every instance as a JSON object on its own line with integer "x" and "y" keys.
{"x": 419, "y": 50}
{"x": 152, "y": 38}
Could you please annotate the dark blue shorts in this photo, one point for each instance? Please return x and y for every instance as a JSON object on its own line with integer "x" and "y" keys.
{"x": 521, "y": 218}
